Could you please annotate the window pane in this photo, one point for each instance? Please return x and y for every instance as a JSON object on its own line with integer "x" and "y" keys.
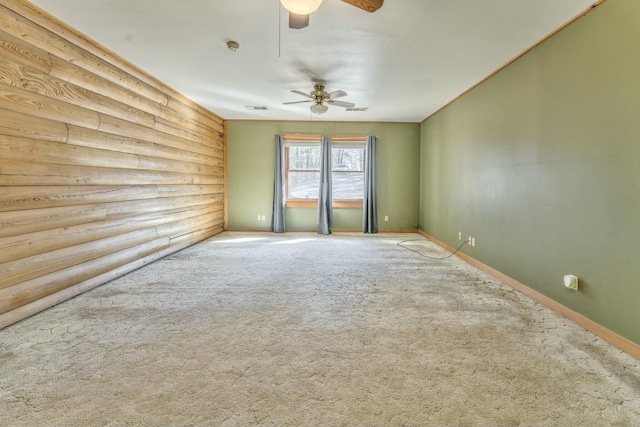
{"x": 348, "y": 185}
{"x": 347, "y": 159}
{"x": 304, "y": 185}
{"x": 304, "y": 157}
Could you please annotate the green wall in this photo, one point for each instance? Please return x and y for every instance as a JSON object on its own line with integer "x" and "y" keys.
{"x": 251, "y": 151}
{"x": 541, "y": 164}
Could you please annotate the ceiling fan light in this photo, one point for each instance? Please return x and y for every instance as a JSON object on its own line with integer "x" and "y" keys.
{"x": 319, "y": 108}
{"x": 301, "y": 7}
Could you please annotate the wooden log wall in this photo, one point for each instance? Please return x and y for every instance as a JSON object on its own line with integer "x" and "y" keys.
{"x": 103, "y": 169}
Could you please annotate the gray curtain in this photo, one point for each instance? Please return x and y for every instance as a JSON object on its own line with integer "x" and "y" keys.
{"x": 325, "y": 200}
{"x": 369, "y": 210}
{"x": 277, "y": 214}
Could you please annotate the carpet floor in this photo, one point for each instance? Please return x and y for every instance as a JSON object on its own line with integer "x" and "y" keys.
{"x": 307, "y": 330}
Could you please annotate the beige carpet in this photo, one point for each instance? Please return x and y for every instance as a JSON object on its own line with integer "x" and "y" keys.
{"x": 308, "y": 330}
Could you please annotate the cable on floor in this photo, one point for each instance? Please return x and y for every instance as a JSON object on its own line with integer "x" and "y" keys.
{"x": 427, "y": 256}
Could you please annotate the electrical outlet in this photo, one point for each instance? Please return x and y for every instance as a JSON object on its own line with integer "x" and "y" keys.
{"x": 459, "y": 235}
{"x": 386, "y": 217}
{"x": 469, "y": 240}
{"x": 473, "y": 242}
{"x": 259, "y": 217}
{"x": 571, "y": 282}
{"x": 263, "y": 218}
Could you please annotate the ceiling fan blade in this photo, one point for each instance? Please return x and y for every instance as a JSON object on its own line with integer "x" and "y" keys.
{"x": 368, "y": 5}
{"x": 337, "y": 94}
{"x": 298, "y": 21}
{"x": 306, "y": 95}
{"x": 295, "y": 102}
{"x": 341, "y": 104}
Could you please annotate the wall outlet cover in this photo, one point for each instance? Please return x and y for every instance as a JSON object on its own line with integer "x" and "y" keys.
{"x": 571, "y": 282}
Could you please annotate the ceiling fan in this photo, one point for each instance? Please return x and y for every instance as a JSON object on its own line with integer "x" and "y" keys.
{"x": 319, "y": 98}
{"x": 299, "y": 10}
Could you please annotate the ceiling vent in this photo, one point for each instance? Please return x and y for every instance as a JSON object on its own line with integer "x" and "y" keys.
{"x": 255, "y": 108}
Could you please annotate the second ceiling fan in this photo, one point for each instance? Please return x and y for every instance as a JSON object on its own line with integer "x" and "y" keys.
{"x": 299, "y": 10}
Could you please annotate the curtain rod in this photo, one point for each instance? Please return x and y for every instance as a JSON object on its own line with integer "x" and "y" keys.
{"x": 316, "y": 137}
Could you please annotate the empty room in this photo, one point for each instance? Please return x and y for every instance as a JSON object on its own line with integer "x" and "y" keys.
{"x": 319, "y": 213}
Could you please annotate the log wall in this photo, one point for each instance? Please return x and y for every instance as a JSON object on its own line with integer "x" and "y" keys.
{"x": 103, "y": 169}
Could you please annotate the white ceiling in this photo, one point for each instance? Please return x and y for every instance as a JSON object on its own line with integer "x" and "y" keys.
{"x": 403, "y": 62}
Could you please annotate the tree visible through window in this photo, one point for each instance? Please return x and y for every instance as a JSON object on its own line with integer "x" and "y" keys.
{"x": 302, "y": 175}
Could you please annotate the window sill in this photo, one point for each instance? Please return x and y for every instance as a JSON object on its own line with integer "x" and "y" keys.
{"x": 313, "y": 203}
{"x": 347, "y": 204}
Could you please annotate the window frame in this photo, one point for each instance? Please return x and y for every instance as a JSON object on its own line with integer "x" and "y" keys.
{"x": 313, "y": 202}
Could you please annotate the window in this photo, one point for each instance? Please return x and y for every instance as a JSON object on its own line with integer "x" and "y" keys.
{"x": 347, "y": 173}
{"x": 302, "y": 174}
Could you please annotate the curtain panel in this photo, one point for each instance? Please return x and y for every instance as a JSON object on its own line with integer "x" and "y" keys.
{"x": 277, "y": 213}
{"x": 325, "y": 199}
{"x": 369, "y": 206}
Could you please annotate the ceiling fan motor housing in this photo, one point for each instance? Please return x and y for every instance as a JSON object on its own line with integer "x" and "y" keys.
{"x": 319, "y": 94}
